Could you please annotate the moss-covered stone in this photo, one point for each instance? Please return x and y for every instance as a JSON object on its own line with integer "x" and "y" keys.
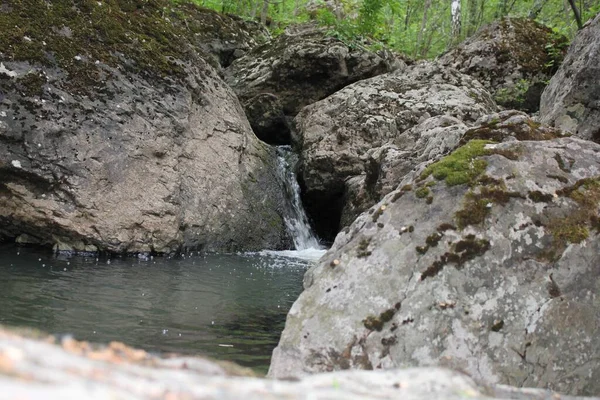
{"x": 479, "y": 201}
{"x": 362, "y": 249}
{"x": 422, "y": 192}
{"x": 154, "y": 36}
{"x": 462, "y": 166}
{"x": 376, "y": 323}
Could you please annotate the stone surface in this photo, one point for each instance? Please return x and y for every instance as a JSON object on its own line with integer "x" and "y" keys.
{"x": 571, "y": 101}
{"x": 386, "y": 166}
{"x": 139, "y": 149}
{"x": 513, "y": 58}
{"x": 39, "y": 369}
{"x": 299, "y": 67}
{"x": 336, "y": 134}
{"x": 225, "y": 37}
{"x": 485, "y": 262}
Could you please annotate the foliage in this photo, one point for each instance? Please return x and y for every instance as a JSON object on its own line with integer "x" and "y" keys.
{"x": 421, "y": 28}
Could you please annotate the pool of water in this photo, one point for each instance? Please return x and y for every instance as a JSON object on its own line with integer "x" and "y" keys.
{"x": 229, "y": 307}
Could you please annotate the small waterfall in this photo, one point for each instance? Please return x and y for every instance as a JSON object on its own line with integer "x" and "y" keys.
{"x": 297, "y": 221}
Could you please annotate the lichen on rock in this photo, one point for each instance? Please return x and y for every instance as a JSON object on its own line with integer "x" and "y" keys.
{"x": 495, "y": 279}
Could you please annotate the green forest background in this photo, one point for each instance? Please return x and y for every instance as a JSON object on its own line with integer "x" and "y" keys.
{"x": 417, "y": 28}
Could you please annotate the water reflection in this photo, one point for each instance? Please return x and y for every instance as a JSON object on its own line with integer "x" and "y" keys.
{"x": 225, "y": 306}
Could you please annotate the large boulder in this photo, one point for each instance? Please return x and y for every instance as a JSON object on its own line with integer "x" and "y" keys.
{"x": 386, "y": 166}
{"x": 513, "y": 58}
{"x": 116, "y": 135}
{"x": 40, "y": 368}
{"x": 336, "y": 134}
{"x": 572, "y": 99}
{"x": 301, "y": 66}
{"x": 485, "y": 262}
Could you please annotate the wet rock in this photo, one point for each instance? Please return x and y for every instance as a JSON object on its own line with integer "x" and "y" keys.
{"x": 336, "y": 134}
{"x": 40, "y": 369}
{"x": 513, "y": 58}
{"x": 485, "y": 262}
{"x": 136, "y": 146}
{"x": 571, "y": 101}
{"x": 297, "y": 68}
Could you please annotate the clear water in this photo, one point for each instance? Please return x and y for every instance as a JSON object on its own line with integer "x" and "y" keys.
{"x": 229, "y": 307}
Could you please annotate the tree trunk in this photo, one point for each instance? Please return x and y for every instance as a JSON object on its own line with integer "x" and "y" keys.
{"x": 456, "y": 20}
{"x": 423, "y": 27}
{"x": 264, "y": 12}
{"x": 576, "y": 13}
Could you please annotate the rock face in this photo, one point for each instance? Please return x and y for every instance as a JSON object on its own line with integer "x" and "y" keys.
{"x": 39, "y": 369}
{"x": 572, "y": 99}
{"x": 513, "y": 58}
{"x": 299, "y": 67}
{"x": 337, "y": 135}
{"x": 225, "y": 37}
{"x": 485, "y": 261}
{"x": 386, "y": 166}
{"x": 137, "y": 149}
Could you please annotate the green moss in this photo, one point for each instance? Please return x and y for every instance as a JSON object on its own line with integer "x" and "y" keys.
{"x": 362, "y": 248}
{"x": 145, "y": 36}
{"x": 422, "y": 192}
{"x": 462, "y": 166}
{"x": 422, "y": 249}
{"x": 466, "y": 249}
{"x": 540, "y": 197}
{"x": 433, "y": 239}
{"x": 376, "y": 323}
{"x": 406, "y": 188}
{"x": 31, "y": 84}
{"x": 561, "y": 179}
{"x": 565, "y": 231}
{"x": 446, "y": 227}
{"x": 477, "y": 204}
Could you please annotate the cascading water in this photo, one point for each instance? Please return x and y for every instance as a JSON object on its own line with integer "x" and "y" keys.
{"x": 296, "y": 222}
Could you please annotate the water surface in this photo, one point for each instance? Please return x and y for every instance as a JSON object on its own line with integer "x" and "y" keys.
{"x": 230, "y": 307}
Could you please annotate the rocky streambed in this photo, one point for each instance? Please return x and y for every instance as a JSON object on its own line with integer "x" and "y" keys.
{"x": 464, "y": 233}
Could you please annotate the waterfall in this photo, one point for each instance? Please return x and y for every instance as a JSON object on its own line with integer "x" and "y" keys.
{"x": 296, "y": 221}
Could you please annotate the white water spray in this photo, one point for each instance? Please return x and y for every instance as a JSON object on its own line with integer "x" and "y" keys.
{"x": 296, "y": 222}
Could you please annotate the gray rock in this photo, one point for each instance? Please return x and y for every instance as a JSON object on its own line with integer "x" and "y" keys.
{"x": 496, "y": 275}
{"x": 38, "y": 369}
{"x": 571, "y": 101}
{"x": 299, "y": 67}
{"x": 386, "y": 166}
{"x": 337, "y": 133}
{"x": 513, "y": 58}
{"x": 124, "y": 153}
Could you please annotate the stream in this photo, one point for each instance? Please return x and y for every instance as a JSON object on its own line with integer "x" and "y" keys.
{"x": 226, "y": 306}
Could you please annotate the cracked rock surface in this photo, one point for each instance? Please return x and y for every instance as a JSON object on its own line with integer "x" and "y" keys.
{"x": 485, "y": 262}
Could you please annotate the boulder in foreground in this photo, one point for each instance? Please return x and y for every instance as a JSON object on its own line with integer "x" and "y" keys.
{"x": 485, "y": 261}
{"x": 39, "y": 369}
